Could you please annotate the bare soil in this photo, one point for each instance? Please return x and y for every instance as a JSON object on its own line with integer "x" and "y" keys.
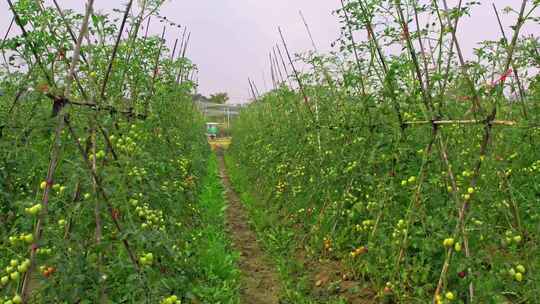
{"x": 260, "y": 284}
{"x": 329, "y": 278}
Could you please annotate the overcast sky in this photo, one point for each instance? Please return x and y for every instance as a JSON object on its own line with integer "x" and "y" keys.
{"x": 231, "y": 38}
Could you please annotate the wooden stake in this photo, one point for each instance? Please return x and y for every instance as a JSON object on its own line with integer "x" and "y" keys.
{"x": 297, "y": 75}
{"x": 115, "y": 50}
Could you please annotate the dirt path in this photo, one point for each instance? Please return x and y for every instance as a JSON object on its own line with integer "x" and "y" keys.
{"x": 259, "y": 280}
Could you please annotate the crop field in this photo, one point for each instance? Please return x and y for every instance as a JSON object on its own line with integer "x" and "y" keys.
{"x": 415, "y": 169}
{"x": 402, "y": 167}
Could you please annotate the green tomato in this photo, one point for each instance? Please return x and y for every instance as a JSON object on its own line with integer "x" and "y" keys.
{"x": 29, "y": 238}
{"x": 34, "y": 209}
{"x": 22, "y": 268}
{"x": 17, "y": 299}
{"x": 100, "y": 154}
{"x": 448, "y": 242}
{"x": 15, "y": 276}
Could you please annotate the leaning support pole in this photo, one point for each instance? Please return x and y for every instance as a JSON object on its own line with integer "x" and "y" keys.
{"x": 2, "y": 45}
{"x": 296, "y": 74}
{"x": 55, "y": 155}
{"x": 115, "y": 50}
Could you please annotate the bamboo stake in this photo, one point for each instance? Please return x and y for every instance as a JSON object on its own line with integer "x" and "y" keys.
{"x": 50, "y": 81}
{"x": 272, "y": 73}
{"x": 308, "y": 31}
{"x": 252, "y": 90}
{"x": 179, "y": 77}
{"x": 147, "y": 27}
{"x": 355, "y": 51}
{"x": 174, "y": 49}
{"x": 104, "y": 195}
{"x": 74, "y": 39}
{"x": 182, "y": 41}
{"x": 443, "y": 86}
{"x": 115, "y": 50}
{"x": 415, "y": 200}
{"x": 55, "y": 153}
{"x": 156, "y": 69}
{"x": 461, "y": 122}
{"x": 97, "y": 211}
{"x": 68, "y": 27}
{"x": 510, "y": 49}
{"x": 276, "y": 64}
{"x": 373, "y": 37}
{"x": 256, "y": 89}
{"x": 423, "y": 53}
{"x": 297, "y": 75}
{"x": 426, "y": 97}
{"x": 3, "y": 42}
{"x": 133, "y": 38}
{"x": 386, "y": 81}
{"x": 284, "y": 65}
{"x": 477, "y": 107}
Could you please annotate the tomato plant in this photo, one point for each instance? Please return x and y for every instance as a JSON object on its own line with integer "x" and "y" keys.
{"x": 408, "y": 164}
{"x": 103, "y": 161}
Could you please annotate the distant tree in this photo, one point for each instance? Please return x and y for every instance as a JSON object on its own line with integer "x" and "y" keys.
{"x": 200, "y": 97}
{"x": 220, "y": 98}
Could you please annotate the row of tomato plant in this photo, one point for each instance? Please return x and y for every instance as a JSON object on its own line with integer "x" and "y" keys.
{"x": 103, "y": 163}
{"x": 414, "y": 167}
